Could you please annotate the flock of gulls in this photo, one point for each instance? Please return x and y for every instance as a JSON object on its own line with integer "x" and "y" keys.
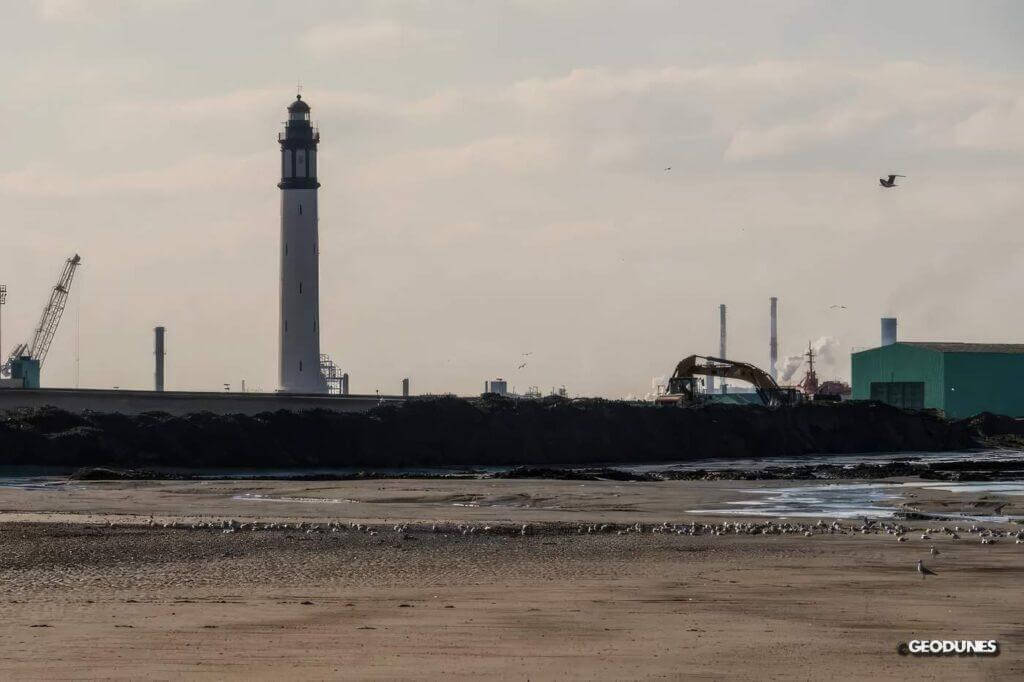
{"x": 776, "y": 527}
{"x": 901, "y": 532}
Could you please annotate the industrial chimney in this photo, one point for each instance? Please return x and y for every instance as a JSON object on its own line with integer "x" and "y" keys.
{"x": 158, "y": 351}
{"x": 773, "y": 343}
{"x": 888, "y": 331}
{"x": 721, "y": 342}
{"x": 405, "y": 387}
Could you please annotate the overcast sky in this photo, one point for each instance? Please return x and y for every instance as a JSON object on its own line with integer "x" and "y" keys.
{"x": 494, "y": 184}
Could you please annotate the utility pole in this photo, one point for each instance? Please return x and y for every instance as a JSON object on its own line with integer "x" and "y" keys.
{"x": 3, "y": 301}
{"x": 721, "y": 342}
{"x": 160, "y": 352}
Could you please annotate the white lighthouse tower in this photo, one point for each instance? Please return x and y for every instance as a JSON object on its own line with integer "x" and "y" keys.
{"x": 299, "y": 362}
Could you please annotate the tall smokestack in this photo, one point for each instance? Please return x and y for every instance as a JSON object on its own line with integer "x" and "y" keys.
{"x": 721, "y": 342}
{"x": 158, "y": 351}
{"x": 344, "y": 383}
{"x": 405, "y": 387}
{"x": 773, "y": 343}
{"x": 888, "y": 331}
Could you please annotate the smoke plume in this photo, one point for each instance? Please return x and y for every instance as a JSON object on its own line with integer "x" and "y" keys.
{"x": 790, "y": 364}
{"x": 826, "y": 350}
{"x": 826, "y": 354}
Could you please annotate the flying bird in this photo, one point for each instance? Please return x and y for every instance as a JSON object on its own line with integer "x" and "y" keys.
{"x": 668, "y": 168}
{"x": 891, "y": 182}
{"x": 522, "y": 365}
{"x": 923, "y": 570}
{"x": 837, "y": 306}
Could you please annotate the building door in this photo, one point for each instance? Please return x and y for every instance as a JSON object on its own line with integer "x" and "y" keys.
{"x": 905, "y": 394}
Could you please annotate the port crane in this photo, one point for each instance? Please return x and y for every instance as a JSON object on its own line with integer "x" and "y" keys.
{"x": 682, "y": 386}
{"x": 37, "y": 349}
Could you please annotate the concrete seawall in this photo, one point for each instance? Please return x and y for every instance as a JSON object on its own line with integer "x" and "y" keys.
{"x": 183, "y": 402}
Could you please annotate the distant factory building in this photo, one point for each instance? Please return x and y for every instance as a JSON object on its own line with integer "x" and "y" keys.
{"x": 961, "y": 379}
{"x": 499, "y": 386}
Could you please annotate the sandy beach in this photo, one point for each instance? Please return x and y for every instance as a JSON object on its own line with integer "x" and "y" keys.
{"x": 95, "y": 589}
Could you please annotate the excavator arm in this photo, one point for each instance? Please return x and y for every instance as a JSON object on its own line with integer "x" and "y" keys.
{"x": 699, "y": 365}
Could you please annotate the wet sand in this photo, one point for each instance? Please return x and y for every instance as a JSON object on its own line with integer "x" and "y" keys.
{"x": 427, "y": 500}
{"x": 82, "y": 599}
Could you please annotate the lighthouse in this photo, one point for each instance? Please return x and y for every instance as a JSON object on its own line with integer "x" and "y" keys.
{"x": 299, "y": 360}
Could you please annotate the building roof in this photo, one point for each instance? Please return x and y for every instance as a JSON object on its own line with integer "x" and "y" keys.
{"x": 951, "y": 347}
{"x": 298, "y": 105}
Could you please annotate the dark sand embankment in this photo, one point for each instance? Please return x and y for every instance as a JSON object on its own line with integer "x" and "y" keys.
{"x": 491, "y": 431}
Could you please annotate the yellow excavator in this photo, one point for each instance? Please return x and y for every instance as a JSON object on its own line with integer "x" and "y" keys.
{"x": 684, "y": 389}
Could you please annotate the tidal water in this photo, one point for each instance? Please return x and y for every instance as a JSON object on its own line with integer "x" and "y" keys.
{"x": 42, "y": 476}
{"x": 827, "y": 500}
{"x": 852, "y": 500}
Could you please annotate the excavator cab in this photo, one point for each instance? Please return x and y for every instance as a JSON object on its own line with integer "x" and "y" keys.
{"x": 688, "y": 388}
{"x": 682, "y": 390}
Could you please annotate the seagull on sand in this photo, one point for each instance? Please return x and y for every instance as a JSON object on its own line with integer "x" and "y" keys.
{"x": 924, "y": 571}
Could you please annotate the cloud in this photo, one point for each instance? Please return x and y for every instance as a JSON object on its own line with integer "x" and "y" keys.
{"x": 996, "y": 127}
{"x": 241, "y": 109}
{"x": 93, "y": 11}
{"x": 783, "y": 110}
{"x": 791, "y": 138}
{"x": 786, "y": 114}
{"x": 196, "y": 174}
{"x": 375, "y": 37}
{"x": 65, "y": 10}
{"x": 513, "y": 154}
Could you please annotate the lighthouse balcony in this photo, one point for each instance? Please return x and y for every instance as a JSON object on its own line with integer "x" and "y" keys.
{"x": 299, "y": 133}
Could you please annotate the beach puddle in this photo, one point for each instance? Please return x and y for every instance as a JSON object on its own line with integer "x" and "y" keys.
{"x": 837, "y": 501}
{"x": 255, "y": 497}
{"x": 41, "y": 483}
{"x": 854, "y": 501}
{"x": 997, "y": 487}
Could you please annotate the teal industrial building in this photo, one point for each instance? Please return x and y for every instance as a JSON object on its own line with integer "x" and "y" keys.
{"x": 961, "y": 379}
